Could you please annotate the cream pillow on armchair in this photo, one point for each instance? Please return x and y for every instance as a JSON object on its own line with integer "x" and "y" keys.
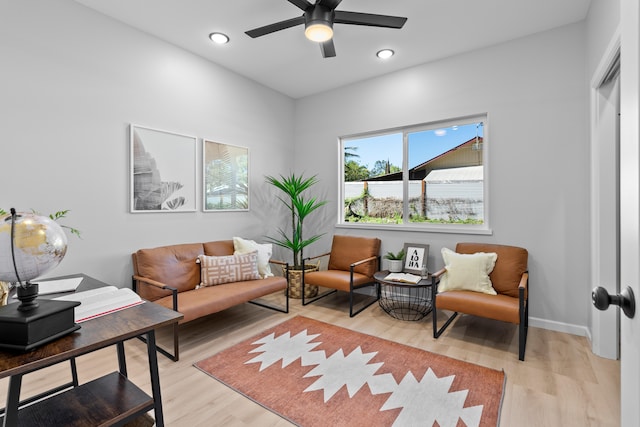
{"x": 467, "y": 272}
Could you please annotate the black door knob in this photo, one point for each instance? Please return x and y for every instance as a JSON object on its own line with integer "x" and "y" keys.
{"x": 625, "y": 300}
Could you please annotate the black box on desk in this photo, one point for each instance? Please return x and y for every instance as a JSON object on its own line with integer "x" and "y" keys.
{"x": 26, "y": 330}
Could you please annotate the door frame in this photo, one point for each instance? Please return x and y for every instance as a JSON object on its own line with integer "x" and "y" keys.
{"x": 604, "y": 343}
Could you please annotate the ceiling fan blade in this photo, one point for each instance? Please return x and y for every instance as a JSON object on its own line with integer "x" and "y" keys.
{"x": 331, "y": 4}
{"x": 301, "y": 4}
{"x": 372, "y": 20}
{"x": 272, "y": 28}
{"x": 328, "y": 49}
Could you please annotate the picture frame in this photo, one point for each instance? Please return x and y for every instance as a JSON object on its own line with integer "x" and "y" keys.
{"x": 225, "y": 177}
{"x": 162, "y": 171}
{"x": 416, "y": 255}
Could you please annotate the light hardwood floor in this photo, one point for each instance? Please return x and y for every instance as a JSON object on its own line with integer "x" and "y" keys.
{"x": 560, "y": 383}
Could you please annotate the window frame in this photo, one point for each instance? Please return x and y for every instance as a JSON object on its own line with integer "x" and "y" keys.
{"x": 484, "y": 228}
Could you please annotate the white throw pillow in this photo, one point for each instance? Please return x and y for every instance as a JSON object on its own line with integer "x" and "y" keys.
{"x": 265, "y": 250}
{"x": 467, "y": 272}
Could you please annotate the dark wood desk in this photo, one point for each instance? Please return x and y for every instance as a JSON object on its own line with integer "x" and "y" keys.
{"x": 110, "y": 400}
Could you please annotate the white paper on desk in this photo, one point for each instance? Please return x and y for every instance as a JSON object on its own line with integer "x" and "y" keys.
{"x": 57, "y": 286}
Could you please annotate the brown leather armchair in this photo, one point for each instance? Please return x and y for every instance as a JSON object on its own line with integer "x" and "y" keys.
{"x": 509, "y": 278}
{"x": 352, "y": 262}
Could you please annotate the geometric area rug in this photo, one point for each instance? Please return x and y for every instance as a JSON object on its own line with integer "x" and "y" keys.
{"x": 313, "y": 374}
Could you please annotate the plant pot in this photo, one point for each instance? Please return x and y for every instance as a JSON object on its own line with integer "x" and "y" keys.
{"x": 295, "y": 282}
{"x": 395, "y": 265}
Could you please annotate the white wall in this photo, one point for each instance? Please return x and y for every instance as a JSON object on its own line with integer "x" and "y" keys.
{"x": 602, "y": 22}
{"x": 72, "y": 82}
{"x": 534, "y": 91}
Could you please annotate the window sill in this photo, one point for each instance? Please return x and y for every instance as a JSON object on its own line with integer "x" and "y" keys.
{"x": 448, "y": 229}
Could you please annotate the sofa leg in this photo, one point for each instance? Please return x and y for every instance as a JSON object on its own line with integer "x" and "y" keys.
{"x": 523, "y": 331}
{"x": 523, "y": 340}
{"x": 176, "y": 345}
{"x": 284, "y": 309}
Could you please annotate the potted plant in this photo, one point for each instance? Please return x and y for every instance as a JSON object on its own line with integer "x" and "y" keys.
{"x": 300, "y": 205}
{"x": 395, "y": 261}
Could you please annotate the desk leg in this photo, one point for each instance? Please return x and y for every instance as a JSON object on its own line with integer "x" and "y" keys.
{"x": 155, "y": 377}
{"x": 13, "y": 400}
{"x": 74, "y": 372}
{"x": 122, "y": 360}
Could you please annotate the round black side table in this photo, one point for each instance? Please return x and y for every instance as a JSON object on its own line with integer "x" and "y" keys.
{"x": 405, "y": 301}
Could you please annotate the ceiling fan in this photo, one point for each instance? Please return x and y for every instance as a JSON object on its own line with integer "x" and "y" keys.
{"x": 319, "y": 18}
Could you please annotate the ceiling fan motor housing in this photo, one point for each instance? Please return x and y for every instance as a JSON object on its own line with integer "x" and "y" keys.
{"x": 319, "y": 15}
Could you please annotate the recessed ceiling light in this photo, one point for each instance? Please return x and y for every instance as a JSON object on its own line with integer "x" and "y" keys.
{"x": 219, "y": 38}
{"x": 385, "y": 53}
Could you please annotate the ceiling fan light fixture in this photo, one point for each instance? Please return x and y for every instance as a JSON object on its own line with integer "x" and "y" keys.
{"x": 219, "y": 38}
{"x": 318, "y": 31}
{"x": 385, "y": 53}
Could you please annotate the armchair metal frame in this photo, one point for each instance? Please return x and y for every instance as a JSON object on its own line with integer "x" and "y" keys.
{"x": 352, "y": 288}
{"x": 523, "y": 301}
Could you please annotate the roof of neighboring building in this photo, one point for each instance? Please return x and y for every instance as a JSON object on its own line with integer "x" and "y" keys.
{"x": 439, "y": 162}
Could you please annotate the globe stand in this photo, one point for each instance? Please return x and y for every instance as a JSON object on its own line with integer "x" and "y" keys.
{"x": 29, "y": 324}
{"x": 27, "y": 295}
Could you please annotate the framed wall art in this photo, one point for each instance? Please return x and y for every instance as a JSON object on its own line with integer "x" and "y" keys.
{"x": 225, "y": 170}
{"x": 416, "y": 255}
{"x": 163, "y": 171}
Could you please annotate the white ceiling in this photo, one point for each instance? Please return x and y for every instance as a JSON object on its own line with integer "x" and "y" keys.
{"x": 287, "y": 62}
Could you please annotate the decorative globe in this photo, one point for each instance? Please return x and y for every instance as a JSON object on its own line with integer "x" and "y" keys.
{"x": 39, "y": 245}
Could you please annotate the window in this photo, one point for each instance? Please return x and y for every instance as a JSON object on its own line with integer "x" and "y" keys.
{"x": 428, "y": 176}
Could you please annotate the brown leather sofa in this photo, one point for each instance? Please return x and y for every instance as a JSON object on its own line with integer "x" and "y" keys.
{"x": 509, "y": 278}
{"x": 169, "y": 275}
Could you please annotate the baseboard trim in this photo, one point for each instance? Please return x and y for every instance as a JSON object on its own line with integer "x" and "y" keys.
{"x": 552, "y": 325}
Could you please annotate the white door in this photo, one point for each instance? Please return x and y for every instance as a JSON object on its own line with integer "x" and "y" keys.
{"x": 630, "y": 207}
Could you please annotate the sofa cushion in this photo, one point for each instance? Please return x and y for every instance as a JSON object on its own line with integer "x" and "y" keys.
{"x": 346, "y": 250}
{"x": 211, "y": 299}
{"x": 216, "y": 270}
{"x": 512, "y": 263}
{"x": 218, "y": 248}
{"x": 497, "y": 307}
{"x": 469, "y": 272}
{"x": 265, "y": 250}
{"x": 172, "y": 265}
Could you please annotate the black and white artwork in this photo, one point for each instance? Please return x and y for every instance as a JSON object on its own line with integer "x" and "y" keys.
{"x": 416, "y": 255}
{"x": 163, "y": 171}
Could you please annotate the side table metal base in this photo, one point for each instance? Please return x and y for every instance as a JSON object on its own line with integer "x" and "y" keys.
{"x": 405, "y": 303}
